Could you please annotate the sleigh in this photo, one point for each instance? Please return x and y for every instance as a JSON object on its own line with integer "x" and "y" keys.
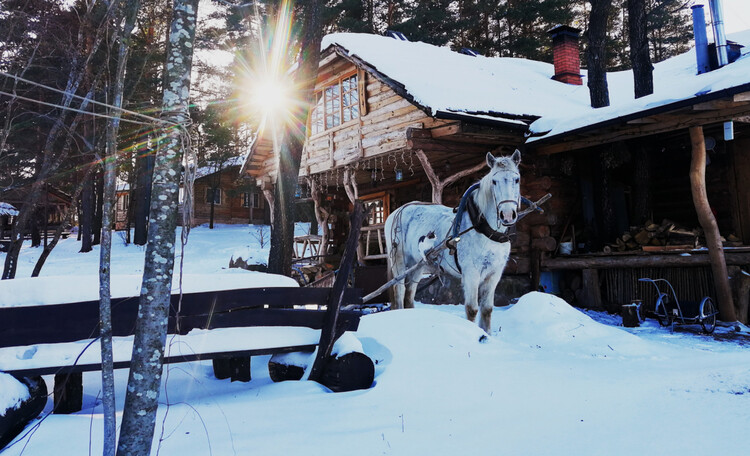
{"x": 670, "y": 311}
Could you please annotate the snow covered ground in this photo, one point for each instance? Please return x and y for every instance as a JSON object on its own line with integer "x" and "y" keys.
{"x": 550, "y": 380}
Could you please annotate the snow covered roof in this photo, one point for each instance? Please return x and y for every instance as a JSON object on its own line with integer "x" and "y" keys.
{"x": 204, "y": 171}
{"x": 8, "y": 209}
{"x": 513, "y": 89}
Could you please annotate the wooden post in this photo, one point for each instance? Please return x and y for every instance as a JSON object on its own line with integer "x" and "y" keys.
{"x": 329, "y": 332}
{"x": 592, "y": 294}
{"x": 437, "y": 184}
{"x": 708, "y": 223}
{"x": 68, "y": 397}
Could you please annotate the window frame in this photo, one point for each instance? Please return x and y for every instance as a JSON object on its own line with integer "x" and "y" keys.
{"x": 208, "y": 201}
{"x": 383, "y": 196}
{"x": 319, "y": 113}
{"x": 251, "y": 200}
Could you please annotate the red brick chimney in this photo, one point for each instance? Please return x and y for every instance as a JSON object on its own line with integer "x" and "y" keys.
{"x": 566, "y": 54}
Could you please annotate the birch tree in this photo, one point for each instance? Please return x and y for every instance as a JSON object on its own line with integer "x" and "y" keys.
{"x": 144, "y": 381}
{"x": 129, "y": 10}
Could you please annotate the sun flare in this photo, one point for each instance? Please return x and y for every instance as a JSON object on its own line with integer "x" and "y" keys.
{"x": 271, "y": 97}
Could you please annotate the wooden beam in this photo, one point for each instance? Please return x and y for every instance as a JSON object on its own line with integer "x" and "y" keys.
{"x": 621, "y": 132}
{"x": 447, "y": 130}
{"x": 639, "y": 261}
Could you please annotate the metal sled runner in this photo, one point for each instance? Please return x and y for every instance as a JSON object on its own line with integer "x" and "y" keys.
{"x": 670, "y": 311}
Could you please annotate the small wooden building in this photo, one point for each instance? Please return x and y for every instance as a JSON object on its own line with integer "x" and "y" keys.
{"x": 397, "y": 121}
{"x": 51, "y": 209}
{"x": 236, "y": 199}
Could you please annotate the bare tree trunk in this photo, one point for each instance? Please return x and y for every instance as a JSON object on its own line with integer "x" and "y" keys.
{"x": 63, "y": 219}
{"x": 144, "y": 381}
{"x": 640, "y": 58}
{"x": 144, "y": 168}
{"x": 282, "y": 230}
{"x": 98, "y": 208}
{"x": 596, "y": 53}
{"x": 710, "y": 228}
{"x": 87, "y": 213}
{"x": 128, "y": 9}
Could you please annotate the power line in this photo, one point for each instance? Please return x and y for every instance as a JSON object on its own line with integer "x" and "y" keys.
{"x": 43, "y": 86}
{"x": 68, "y": 108}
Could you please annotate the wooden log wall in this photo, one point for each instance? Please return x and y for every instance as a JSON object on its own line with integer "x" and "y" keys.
{"x": 540, "y": 234}
{"x": 380, "y": 131}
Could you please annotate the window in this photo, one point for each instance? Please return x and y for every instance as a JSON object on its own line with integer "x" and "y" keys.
{"x": 378, "y": 207}
{"x": 122, "y": 202}
{"x": 216, "y": 195}
{"x": 336, "y": 104}
{"x": 251, "y": 197}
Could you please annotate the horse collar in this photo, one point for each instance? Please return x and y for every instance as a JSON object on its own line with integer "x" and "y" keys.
{"x": 481, "y": 225}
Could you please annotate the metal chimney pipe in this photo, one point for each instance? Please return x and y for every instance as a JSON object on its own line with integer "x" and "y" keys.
{"x": 720, "y": 37}
{"x": 701, "y": 39}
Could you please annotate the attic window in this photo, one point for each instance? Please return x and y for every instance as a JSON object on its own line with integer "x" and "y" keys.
{"x": 336, "y": 104}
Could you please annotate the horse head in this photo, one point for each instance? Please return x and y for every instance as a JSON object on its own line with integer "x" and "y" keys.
{"x": 501, "y": 189}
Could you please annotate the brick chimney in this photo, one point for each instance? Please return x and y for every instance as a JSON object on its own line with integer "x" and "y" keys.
{"x": 566, "y": 54}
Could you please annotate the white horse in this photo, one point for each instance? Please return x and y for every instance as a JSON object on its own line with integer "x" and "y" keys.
{"x": 491, "y": 208}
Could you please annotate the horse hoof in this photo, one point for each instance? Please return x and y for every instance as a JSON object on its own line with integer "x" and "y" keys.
{"x": 483, "y": 339}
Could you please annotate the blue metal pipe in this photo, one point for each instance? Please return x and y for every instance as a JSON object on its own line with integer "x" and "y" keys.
{"x": 701, "y": 39}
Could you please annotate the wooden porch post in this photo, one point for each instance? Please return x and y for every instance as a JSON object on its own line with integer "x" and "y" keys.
{"x": 437, "y": 184}
{"x": 267, "y": 190}
{"x": 708, "y": 223}
{"x": 321, "y": 215}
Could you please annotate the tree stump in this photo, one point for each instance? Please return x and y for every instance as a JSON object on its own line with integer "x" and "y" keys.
{"x": 631, "y": 315}
{"x": 15, "y": 420}
{"x": 349, "y": 372}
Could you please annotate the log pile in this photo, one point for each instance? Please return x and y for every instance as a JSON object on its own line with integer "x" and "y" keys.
{"x": 667, "y": 235}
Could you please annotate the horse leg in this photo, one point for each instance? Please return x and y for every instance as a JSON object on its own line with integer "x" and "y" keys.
{"x": 412, "y": 282}
{"x": 395, "y": 259}
{"x": 470, "y": 298}
{"x": 487, "y": 302}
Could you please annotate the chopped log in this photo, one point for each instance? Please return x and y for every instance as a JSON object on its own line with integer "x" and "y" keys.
{"x": 546, "y": 244}
{"x": 643, "y": 237}
{"x": 14, "y": 420}
{"x": 630, "y": 316}
{"x": 68, "y": 393}
{"x": 539, "y": 231}
{"x": 349, "y": 372}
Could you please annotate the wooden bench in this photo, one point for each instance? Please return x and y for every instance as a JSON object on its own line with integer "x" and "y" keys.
{"x": 285, "y": 319}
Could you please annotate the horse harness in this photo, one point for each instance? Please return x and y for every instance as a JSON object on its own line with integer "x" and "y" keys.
{"x": 478, "y": 223}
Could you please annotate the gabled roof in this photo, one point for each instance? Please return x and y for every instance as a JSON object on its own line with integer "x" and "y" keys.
{"x": 515, "y": 90}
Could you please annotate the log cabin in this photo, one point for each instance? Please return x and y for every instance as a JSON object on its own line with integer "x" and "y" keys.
{"x": 397, "y": 121}
{"x": 235, "y": 197}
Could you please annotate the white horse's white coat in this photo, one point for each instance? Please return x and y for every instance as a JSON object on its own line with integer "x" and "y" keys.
{"x": 413, "y": 228}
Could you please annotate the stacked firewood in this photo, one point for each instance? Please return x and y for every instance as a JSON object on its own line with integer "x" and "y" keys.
{"x": 667, "y": 235}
